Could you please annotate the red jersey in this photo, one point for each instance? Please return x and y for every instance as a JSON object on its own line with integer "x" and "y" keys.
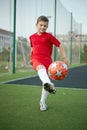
{"x": 42, "y": 46}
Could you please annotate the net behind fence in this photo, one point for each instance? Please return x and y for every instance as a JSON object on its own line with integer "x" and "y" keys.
{"x": 67, "y": 31}
{"x": 6, "y": 35}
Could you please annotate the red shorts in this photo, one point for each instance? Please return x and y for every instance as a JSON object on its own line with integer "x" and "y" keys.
{"x": 45, "y": 63}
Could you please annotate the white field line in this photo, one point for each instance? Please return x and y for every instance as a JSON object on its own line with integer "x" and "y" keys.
{"x": 36, "y": 85}
{"x": 17, "y": 79}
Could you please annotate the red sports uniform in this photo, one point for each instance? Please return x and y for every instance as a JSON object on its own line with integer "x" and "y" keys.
{"x": 42, "y": 46}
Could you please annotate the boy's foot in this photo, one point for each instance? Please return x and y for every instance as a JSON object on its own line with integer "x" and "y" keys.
{"x": 43, "y": 106}
{"x": 50, "y": 88}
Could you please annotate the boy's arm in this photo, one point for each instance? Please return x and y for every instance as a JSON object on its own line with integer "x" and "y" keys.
{"x": 63, "y": 54}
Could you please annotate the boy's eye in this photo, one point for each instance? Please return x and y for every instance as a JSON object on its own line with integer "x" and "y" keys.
{"x": 43, "y": 25}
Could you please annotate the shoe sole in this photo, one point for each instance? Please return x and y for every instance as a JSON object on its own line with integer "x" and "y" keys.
{"x": 48, "y": 88}
{"x": 43, "y": 109}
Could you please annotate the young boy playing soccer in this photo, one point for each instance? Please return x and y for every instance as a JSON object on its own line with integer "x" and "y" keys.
{"x": 41, "y": 57}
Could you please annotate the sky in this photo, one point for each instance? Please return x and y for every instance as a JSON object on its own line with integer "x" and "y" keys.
{"x": 79, "y": 10}
{"x": 27, "y": 14}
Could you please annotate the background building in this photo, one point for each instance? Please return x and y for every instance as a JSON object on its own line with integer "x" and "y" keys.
{"x": 6, "y": 39}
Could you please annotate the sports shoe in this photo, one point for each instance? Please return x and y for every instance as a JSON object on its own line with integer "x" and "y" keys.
{"x": 50, "y": 88}
{"x": 43, "y": 106}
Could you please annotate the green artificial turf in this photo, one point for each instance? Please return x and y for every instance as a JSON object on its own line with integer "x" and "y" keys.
{"x": 19, "y": 109}
{"x": 9, "y": 76}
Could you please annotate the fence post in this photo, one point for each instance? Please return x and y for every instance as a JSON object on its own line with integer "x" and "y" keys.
{"x": 14, "y": 37}
{"x": 71, "y": 36}
{"x": 55, "y": 2}
{"x": 80, "y": 42}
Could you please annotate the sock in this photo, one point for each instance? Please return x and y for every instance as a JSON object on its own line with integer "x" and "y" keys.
{"x": 44, "y": 95}
{"x": 43, "y": 76}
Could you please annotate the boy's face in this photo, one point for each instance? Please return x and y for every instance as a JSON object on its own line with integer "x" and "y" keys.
{"x": 41, "y": 27}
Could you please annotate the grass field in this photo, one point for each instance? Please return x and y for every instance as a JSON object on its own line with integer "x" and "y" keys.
{"x": 19, "y": 108}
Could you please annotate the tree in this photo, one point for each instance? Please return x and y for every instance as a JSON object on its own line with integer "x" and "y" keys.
{"x": 84, "y": 54}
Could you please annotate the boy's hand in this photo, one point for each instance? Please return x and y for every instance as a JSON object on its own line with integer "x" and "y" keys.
{"x": 30, "y": 62}
{"x": 66, "y": 61}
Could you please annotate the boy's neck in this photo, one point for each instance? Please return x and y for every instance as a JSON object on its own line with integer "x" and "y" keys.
{"x": 40, "y": 33}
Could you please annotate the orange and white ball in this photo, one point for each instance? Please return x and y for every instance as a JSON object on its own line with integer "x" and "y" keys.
{"x": 57, "y": 70}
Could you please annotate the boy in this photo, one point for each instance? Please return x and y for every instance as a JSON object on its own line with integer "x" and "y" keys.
{"x": 40, "y": 58}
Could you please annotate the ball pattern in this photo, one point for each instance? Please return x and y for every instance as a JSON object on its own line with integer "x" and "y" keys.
{"x": 57, "y": 70}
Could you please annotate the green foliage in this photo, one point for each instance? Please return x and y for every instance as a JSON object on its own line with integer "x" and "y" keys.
{"x": 4, "y": 54}
{"x": 84, "y": 54}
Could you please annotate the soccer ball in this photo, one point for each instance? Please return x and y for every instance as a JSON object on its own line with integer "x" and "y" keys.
{"x": 57, "y": 70}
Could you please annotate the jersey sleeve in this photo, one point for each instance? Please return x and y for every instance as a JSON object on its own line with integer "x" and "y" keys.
{"x": 54, "y": 41}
